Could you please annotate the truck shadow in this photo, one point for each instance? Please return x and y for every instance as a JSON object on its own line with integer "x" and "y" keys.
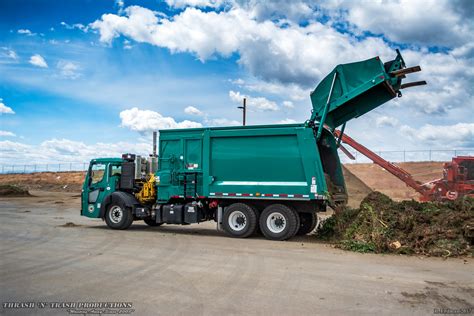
{"x": 199, "y": 231}
{"x": 165, "y": 229}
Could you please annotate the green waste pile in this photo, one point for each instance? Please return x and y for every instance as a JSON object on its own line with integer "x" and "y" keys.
{"x": 382, "y": 225}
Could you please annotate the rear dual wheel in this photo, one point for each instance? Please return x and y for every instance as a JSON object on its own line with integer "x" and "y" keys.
{"x": 240, "y": 220}
{"x": 308, "y": 222}
{"x": 279, "y": 222}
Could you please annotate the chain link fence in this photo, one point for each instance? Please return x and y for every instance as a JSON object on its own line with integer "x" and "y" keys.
{"x": 49, "y": 167}
{"x": 390, "y": 155}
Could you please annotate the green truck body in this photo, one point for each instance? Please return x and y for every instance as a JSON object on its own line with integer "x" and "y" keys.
{"x": 272, "y": 176}
{"x": 257, "y": 162}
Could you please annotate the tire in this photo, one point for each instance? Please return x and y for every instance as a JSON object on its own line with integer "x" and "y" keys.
{"x": 151, "y": 222}
{"x": 279, "y": 222}
{"x": 240, "y": 220}
{"x": 308, "y": 222}
{"x": 118, "y": 216}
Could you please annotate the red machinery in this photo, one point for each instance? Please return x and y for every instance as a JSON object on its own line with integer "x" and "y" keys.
{"x": 457, "y": 180}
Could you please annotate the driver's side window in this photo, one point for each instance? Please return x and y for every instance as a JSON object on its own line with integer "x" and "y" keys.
{"x": 97, "y": 172}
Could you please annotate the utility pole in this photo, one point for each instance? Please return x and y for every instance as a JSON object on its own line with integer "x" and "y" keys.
{"x": 244, "y": 111}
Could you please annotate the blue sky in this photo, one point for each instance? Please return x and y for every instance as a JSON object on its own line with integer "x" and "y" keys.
{"x": 80, "y": 79}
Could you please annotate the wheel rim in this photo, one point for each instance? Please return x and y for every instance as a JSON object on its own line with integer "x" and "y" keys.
{"x": 276, "y": 222}
{"x": 116, "y": 214}
{"x": 237, "y": 221}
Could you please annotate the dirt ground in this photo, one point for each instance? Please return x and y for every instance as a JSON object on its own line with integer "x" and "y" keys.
{"x": 181, "y": 270}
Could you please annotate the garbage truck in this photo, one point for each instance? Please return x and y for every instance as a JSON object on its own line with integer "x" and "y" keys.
{"x": 271, "y": 179}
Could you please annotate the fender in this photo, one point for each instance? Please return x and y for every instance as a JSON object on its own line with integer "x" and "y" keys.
{"x": 118, "y": 196}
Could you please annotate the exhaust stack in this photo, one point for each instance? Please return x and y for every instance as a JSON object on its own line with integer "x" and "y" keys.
{"x": 154, "y": 143}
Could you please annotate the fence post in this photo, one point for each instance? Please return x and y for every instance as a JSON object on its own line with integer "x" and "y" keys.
{"x": 59, "y": 167}
{"x": 455, "y": 153}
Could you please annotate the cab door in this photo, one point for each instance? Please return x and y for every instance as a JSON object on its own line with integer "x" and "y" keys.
{"x": 95, "y": 188}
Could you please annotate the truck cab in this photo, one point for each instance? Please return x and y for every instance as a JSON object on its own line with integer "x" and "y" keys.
{"x": 102, "y": 179}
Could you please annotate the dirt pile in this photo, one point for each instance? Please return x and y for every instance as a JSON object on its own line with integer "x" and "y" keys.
{"x": 69, "y": 224}
{"x": 379, "y": 179}
{"x": 13, "y": 190}
{"x": 46, "y": 181}
{"x": 382, "y": 225}
{"x": 356, "y": 189}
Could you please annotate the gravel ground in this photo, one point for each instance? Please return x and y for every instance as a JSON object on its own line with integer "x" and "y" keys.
{"x": 181, "y": 270}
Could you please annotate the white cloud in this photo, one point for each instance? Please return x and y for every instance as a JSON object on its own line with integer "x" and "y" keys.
{"x": 287, "y": 121}
{"x": 12, "y": 54}
{"x": 26, "y": 32}
{"x": 9, "y": 53}
{"x": 386, "y": 121}
{"x": 127, "y": 44}
{"x": 267, "y": 50}
{"x": 38, "y": 60}
{"x": 284, "y": 10}
{"x": 120, "y": 4}
{"x": 287, "y": 59}
{"x": 449, "y": 83}
{"x": 191, "y": 110}
{"x": 5, "y": 109}
{"x": 194, "y": 3}
{"x": 68, "y": 69}
{"x": 426, "y": 22}
{"x": 288, "y": 104}
{"x": 77, "y": 26}
{"x": 256, "y": 103}
{"x": 147, "y": 120}
{"x": 443, "y": 136}
{"x": 7, "y": 134}
{"x": 65, "y": 150}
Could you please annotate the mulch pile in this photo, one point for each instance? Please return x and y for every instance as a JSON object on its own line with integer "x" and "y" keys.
{"x": 13, "y": 190}
{"x": 381, "y": 225}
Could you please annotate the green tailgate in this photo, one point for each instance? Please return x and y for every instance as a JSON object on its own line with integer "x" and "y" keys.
{"x": 354, "y": 89}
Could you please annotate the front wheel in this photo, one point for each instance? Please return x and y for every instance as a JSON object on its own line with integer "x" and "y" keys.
{"x": 118, "y": 216}
{"x": 279, "y": 222}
